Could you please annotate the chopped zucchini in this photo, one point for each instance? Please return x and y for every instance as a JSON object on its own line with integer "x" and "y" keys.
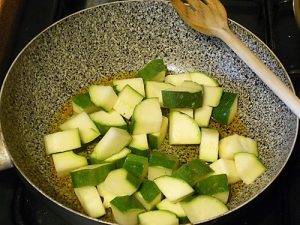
{"x": 105, "y": 120}
{"x": 203, "y": 79}
{"x": 136, "y": 84}
{"x": 90, "y": 201}
{"x": 139, "y": 145}
{"x": 162, "y": 159}
{"x": 175, "y": 189}
{"x": 249, "y": 145}
{"x": 175, "y": 208}
{"x": 154, "y": 70}
{"x": 209, "y": 145}
{"x": 156, "y": 139}
{"x": 203, "y": 208}
{"x": 106, "y": 195}
{"x": 147, "y": 117}
{"x": 82, "y": 103}
{"x": 65, "y": 162}
{"x": 158, "y": 217}
{"x": 202, "y": 115}
{"x": 158, "y": 171}
{"x": 137, "y": 165}
{"x": 212, "y": 96}
{"x": 126, "y": 210}
{"x": 216, "y": 186}
{"x": 120, "y": 182}
{"x": 226, "y": 166}
{"x": 103, "y": 96}
{"x": 193, "y": 171}
{"x": 225, "y": 112}
{"x": 161, "y": 164}
{"x": 127, "y": 100}
{"x": 154, "y": 88}
{"x": 248, "y": 167}
{"x": 149, "y": 195}
{"x": 62, "y": 141}
{"x": 183, "y": 129}
{"x": 118, "y": 159}
{"x": 90, "y": 175}
{"x": 235, "y": 143}
{"x": 187, "y": 111}
{"x": 112, "y": 142}
{"x": 178, "y": 79}
{"x": 88, "y": 131}
{"x": 187, "y": 95}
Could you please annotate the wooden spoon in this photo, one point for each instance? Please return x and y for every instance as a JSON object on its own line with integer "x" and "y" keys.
{"x": 209, "y": 17}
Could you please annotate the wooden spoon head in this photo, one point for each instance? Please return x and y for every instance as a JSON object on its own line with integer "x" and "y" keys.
{"x": 208, "y": 17}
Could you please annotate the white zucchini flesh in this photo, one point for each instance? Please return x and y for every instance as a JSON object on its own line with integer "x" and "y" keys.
{"x": 135, "y": 83}
{"x": 139, "y": 141}
{"x": 249, "y": 145}
{"x": 183, "y": 129}
{"x": 226, "y": 166}
{"x": 202, "y": 78}
{"x": 62, "y": 141}
{"x": 106, "y": 195}
{"x": 178, "y": 79}
{"x": 127, "y": 100}
{"x": 203, "y": 208}
{"x": 90, "y": 201}
{"x": 175, "y": 208}
{"x": 209, "y": 145}
{"x": 223, "y": 197}
{"x": 65, "y": 162}
{"x": 158, "y": 217}
{"x": 187, "y": 111}
{"x": 173, "y": 188}
{"x": 148, "y": 205}
{"x": 212, "y": 96}
{"x": 118, "y": 184}
{"x": 103, "y": 96}
{"x": 113, "y": 142}
{"x": 147, "y": 117}
{"x": 128, "y": 218}
{"x": 111, "y": 118}
{"x": 233, "y": 144}
{"x": 88, "y": 131}
{"x": 120, "y": 155}
{"x": 202, "y": 115}
{"x": 248, "y": 167}
{"x": 154, "y": 88}
{"x": 158, "y": 171}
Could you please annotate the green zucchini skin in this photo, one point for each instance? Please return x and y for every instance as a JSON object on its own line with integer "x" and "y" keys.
{"x": 222, "y": 112}
{"x": 149, "y": 190}
{"x": 177, "y": 99}
{"x": 154, "y": 70}
{"x": 193, "y": 171}
{"x": 212, "y": 185}
{"x": 104, "y": 128}
{"x": 90, "y": 177}
{"x": 82, "y": 102}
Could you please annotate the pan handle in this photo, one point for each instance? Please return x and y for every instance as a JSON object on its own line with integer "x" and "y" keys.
{"x": 5, "y": 161}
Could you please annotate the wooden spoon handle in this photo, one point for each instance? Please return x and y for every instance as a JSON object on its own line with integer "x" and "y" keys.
{"x": 258, "y": 67}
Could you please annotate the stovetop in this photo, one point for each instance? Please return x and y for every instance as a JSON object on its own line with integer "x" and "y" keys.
{"x": 271, "y": 20}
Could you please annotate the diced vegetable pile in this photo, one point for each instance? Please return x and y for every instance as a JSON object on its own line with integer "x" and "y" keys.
{"x": 128, "y": 173}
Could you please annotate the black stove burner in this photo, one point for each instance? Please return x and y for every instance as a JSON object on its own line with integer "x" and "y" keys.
{"x": 28, "y": 210}
{"x": 271, "y": 20}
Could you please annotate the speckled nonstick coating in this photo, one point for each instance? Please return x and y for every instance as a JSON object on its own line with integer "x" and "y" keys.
{"x": 97, "y": 43}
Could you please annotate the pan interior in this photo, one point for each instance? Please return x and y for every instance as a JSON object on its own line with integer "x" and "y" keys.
{"x": 95, "y": 45}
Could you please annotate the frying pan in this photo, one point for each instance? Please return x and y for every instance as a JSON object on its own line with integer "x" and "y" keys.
{"x": 104, "y": 42}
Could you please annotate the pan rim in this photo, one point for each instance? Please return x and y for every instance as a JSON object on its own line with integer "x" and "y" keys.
{"x": 129, "y": 1}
